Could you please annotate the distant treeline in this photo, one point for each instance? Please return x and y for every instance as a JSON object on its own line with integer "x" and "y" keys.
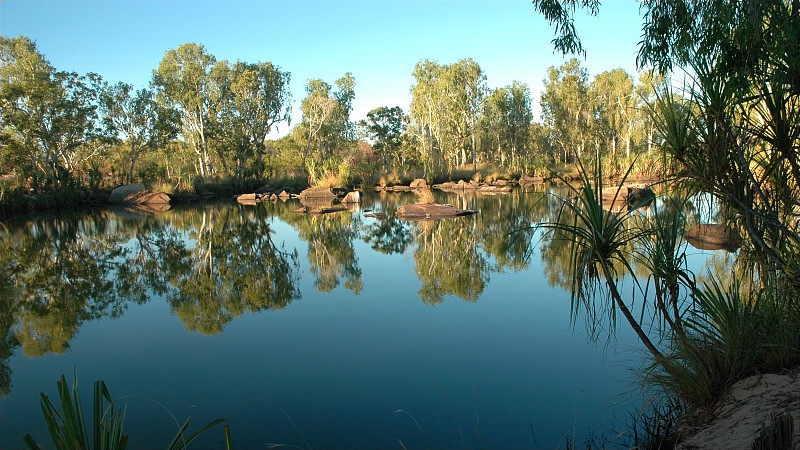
{"x": 203, "y": 120}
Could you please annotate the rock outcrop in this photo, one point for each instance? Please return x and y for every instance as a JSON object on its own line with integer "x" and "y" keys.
{"x": 135, "y": 194}
{"x": 752, "y": 408}
{"x": 713, "y": 237}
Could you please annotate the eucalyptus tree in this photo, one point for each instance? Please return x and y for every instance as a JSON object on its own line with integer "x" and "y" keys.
{"x": 49, "y": 117}
{"x": 385, "y": 127}
{"x": 565, "y": 111}
{"x": 182, "y": 81}
{"x": 464, "y": 89}
{"x": 614, "y": 104}
{"x": 645, "y": 90}
{"x": 139, "y": 120}
{"x": 426, "y": 114}
{"x": 326, "y": 117}
{"x": 247, "y": 101}
{"x": 345, "y": 93}
{"x": 445, "y": 106}
{"x": 505, "y": 123}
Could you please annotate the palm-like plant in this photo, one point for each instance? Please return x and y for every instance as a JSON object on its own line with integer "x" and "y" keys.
{"x": 598, "y": 242}
{"x": 663, "y": 253}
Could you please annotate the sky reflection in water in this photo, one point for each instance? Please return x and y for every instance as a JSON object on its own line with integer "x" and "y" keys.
{"x": 448, "y": 338}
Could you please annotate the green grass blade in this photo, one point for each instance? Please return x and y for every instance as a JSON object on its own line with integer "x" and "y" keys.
{"x": 51, "y": 420}
{"x": 30, "y": 442}
{"x": 181, "y": 442}
{"x": 178, "y": 441}
{"x": 97, "y": 414}
{"x": 228, "y": 440}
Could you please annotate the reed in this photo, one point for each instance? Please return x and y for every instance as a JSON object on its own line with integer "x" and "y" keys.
{"x": 67, "y": 426}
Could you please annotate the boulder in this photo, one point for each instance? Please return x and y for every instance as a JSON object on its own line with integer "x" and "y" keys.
{"x": 143, "y": 198}
{"x": 418, "y": 183}
{"x": 352, "y": 197}
{"x": 488, "y": 189}
{"x": 639, "y": 197}
{"x": 122, "y": 193}
{"x": 713, "y": 237}
{"x": 430, "y": 211}
{"x": 525, "y": 179}
{"x": 247, "y": 199}
{"x": 317, "y": 193}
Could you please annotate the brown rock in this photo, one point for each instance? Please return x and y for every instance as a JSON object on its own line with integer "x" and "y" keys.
{"x": 525, "y": 179}
{"x": 352, "y": 197}
{"x": 713, "y": 237}
{"x": 430, "y": 211}
{"x": 247, "y": 198}
{"x": 122, "y": 193}
{"x": 317, "y": 193}
{"x": 418, "y": 183}
{"x": 146, "y": 198}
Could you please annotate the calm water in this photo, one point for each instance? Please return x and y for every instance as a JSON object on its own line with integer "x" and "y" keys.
{"x": 334, "y": 331}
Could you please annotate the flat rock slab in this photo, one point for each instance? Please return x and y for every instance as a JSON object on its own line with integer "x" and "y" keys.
{"x": 713, "y": 237}
{"x": 318, "y": 193}
{"x": 430, "y": 211}
{"x": 744, "y": 411}
{"x": 139, "y": 198}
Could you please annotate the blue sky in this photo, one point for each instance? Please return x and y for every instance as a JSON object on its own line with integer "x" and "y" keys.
{"x": 379, "y": 41}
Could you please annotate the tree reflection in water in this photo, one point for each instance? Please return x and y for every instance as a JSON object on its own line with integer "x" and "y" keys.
{"x": 215, "y": 262}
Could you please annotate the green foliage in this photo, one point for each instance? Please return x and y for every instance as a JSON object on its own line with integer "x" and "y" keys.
{"x": 385, "y": 126}
{"x": 730, "y": 334}
{"x": 597, "y": 239}
{"x": 560, "y": 14}
{"x": 326, "y": 120}
{"x": 247, "y": 101}
{"x": 68, "y": 427}
{"x": 143, "y": 123}
{"x": 49, "y": 123}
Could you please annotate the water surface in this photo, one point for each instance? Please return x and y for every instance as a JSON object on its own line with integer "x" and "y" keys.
{"x": 322, "y": 331}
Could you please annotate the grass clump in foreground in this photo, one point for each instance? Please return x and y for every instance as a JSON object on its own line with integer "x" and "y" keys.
{"x": 68, "y": 430}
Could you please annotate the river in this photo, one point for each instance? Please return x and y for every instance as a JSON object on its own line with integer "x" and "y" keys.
{"x": 339, "y": 330}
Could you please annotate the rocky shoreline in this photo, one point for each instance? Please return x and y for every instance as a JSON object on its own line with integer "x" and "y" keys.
{"x": 758, "y": 412}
